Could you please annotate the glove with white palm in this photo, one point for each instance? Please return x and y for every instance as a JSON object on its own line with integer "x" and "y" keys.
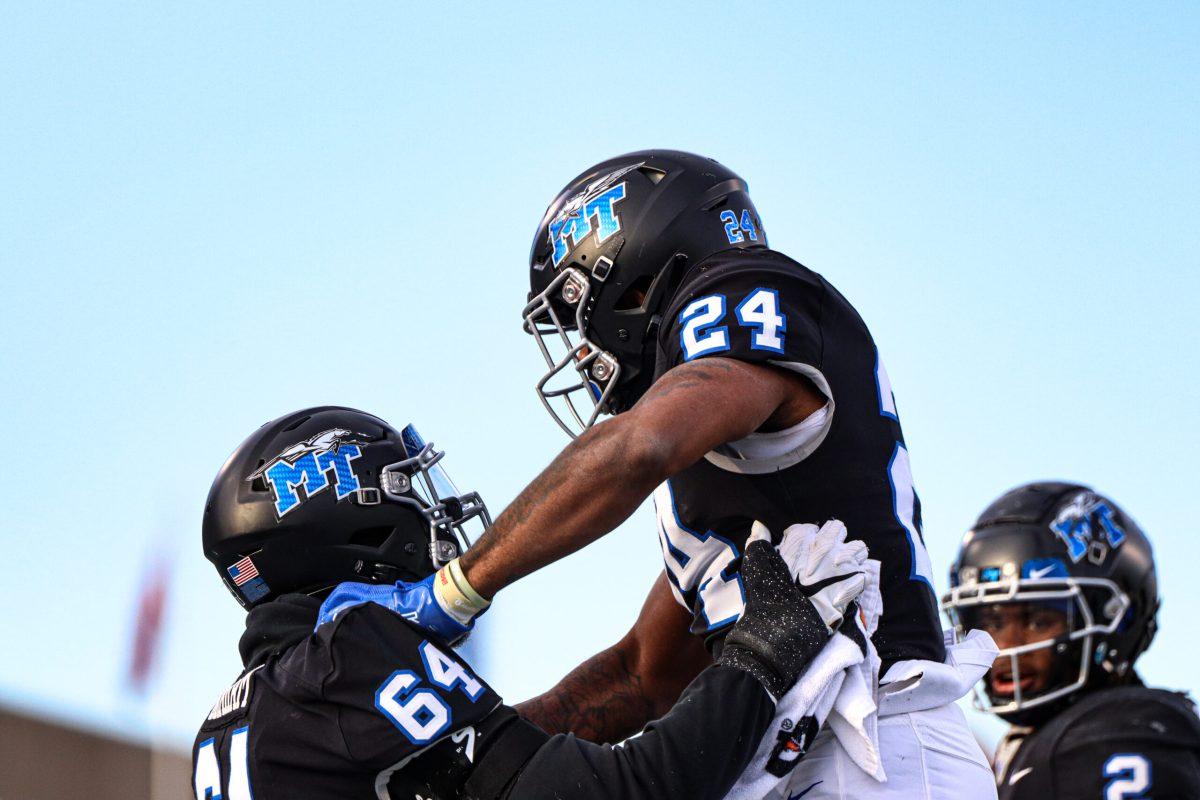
{"x": 828, "y": 569}
{"x": 784, "y": 626}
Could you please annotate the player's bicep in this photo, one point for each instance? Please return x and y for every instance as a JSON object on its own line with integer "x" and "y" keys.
{"x": 700, "y": 405}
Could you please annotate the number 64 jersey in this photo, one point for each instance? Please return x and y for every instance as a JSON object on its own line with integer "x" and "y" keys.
{"x": 847, "y": 461}
{"x": 368, "y": 706}
{"x": 341, "y": 714}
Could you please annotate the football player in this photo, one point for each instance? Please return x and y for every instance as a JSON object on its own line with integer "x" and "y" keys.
{"x": 1064, "y": 581}
{"x": 742, "y": 386}
{"x": 370, "y": 706}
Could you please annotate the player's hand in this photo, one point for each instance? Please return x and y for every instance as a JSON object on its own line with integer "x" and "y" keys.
{"x": 444, "y": 603}
{"x": 780, "y": 631}
{"x": 828, "y": 568}
{"x": 416, "y": 602}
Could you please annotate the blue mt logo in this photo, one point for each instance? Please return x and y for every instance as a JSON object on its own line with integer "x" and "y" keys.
{"x": 307, "y": 464}
{"x": 1088, "y": 527}
{"x": 593, "y": 209}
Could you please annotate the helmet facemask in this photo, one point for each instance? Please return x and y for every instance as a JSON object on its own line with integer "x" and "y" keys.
{"x": 422, "y": 482}
{"x": 581, "y": 376}
{"x": 1092, "y": 610}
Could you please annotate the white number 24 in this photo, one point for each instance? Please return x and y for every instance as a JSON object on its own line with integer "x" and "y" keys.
{"x": 701, "y": 333}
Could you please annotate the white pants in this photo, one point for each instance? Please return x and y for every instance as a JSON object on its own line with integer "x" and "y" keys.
{"x": 928, "y": 755}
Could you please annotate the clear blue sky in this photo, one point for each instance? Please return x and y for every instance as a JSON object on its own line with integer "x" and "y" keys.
{"x": 211, "y": 214}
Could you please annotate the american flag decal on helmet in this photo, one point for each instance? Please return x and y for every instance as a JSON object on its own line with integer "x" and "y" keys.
{"x": 246, "y": 578}
{"x": 243, "y": 571}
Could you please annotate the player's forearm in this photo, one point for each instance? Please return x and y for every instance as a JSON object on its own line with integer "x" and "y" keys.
{"x": 603, "y": 700}
{"x": 696, "y": 751}
{"x": 593, "y": 485}
{"x": 603, "y": 475}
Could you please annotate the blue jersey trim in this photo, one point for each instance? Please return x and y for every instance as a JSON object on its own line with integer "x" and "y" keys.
{"x": 704, "y": 537}
{"x": 879, "y": 393}
{"x": 912, "y": 547}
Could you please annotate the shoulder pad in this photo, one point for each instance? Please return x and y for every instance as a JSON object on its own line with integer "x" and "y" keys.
{"x": 755, "y": 306}
{"x": 1129, "y": 713}
{"x": 734, "y": 265}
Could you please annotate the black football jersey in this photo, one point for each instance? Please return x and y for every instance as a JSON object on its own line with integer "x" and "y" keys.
{"x": 1115, "y": 744}
{"x": 847, "y": 461}
{"x": 358, "y": 700}
{"x": 369, "y": 707}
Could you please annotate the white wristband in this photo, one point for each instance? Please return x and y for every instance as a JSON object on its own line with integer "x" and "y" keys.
{"x": 455, "y": 594}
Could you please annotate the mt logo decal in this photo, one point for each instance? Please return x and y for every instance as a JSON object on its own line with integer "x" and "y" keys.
{"x": 307, "y": 464}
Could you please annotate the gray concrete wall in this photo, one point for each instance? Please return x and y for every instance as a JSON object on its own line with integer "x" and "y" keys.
{"x": 42, "y": 760}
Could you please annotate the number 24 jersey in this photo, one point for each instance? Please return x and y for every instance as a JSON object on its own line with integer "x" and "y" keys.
{"x": 847, "y": 461}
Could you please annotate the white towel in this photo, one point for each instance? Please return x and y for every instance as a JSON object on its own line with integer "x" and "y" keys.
{"x": 854, "y": 719}
{"x": 838, "y": 688}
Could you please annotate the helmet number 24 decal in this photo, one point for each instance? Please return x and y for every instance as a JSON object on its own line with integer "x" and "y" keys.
{"x": 701, "y": 334}
{"x": 733, "y": 231}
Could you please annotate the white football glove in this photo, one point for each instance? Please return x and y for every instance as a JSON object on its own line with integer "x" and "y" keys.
{"x": 828, "y": 569}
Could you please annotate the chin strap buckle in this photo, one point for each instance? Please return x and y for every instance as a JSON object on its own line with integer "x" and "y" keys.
{"x": 367, "y": 497}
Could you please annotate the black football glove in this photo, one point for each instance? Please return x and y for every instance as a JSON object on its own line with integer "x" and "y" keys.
{"x": 780, "y": 630}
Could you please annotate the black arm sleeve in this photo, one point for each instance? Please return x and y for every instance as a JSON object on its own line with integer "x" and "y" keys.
{"x": 697, "y": 751}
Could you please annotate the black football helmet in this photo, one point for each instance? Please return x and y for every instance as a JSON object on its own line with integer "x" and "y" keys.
{"x": 610, "y": 251}
{"x": 330, "y": 494}
{"x": 1064, "y": 547}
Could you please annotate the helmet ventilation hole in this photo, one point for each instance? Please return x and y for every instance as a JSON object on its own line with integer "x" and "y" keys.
{"x": 371, "y": 537}
{"x": 635, "y": 296}
{"x": 655, "y": 175}
{"x": 259, "y": 484}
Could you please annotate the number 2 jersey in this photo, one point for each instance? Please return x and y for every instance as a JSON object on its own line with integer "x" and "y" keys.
{"x": 847, "y": 461}
{"x": 1113, "y": 744}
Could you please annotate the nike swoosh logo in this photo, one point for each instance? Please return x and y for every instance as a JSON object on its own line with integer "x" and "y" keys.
{"x": 1016, "y": 776}
{"x": 810, "y": 589}
{"x": 806, "y": 791}
{"x": 1034, "y": 574}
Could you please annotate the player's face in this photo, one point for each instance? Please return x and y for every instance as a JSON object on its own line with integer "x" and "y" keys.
{"x": 1016, "y": 624}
